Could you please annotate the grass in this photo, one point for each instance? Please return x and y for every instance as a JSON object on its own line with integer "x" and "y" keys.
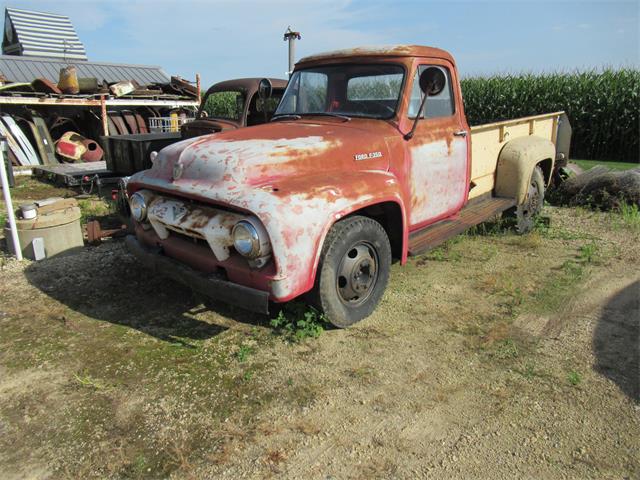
{"x": 630, "y": 216}
{"x": 530, "y": 372}
{"x": 94, "y": 208}
{"x": 506, "y": 349}
{"x": 574, "y": 378}
{"x": 166, "y": 388}
{"x": 589, "y": 164}
{"x": 87, "y": 380}
{"x": 589, "y": 252}
{"x": 243, "y": 353}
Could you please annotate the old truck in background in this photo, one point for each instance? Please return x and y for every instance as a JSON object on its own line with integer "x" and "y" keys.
{"x": 367, "y": 159}
{"x": 226, "y": 105}
{"x": 242, "y": 102}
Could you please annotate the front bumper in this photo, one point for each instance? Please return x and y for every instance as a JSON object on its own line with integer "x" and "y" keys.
{"x": 209, "y": 285}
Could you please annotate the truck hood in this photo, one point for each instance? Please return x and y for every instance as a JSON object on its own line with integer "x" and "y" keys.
{"x": 271, "y": 153}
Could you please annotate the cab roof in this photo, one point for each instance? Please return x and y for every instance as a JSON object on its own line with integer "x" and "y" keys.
{"x": 380, "y": 51}
{"x": 245, "y": 84}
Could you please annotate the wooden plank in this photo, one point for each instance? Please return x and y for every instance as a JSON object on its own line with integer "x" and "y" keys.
{"x": 43, "y": 140}
{"x": 475, "y": 212}
{"x": 19, "y": 155}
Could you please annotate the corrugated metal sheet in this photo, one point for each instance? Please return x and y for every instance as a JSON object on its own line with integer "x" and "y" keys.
{"x": 40, "y": 34}
{"x": 24, "y": 69}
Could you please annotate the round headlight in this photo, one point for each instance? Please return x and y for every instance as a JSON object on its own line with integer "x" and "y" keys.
{"x": 138, "y": 207}
{"x": 246, "y": 239}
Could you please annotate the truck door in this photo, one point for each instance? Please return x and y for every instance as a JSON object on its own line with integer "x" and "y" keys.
{"x": 437, "y": 153}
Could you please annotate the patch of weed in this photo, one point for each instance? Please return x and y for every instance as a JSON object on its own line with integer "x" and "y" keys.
{"x": 87, "y": 380}
{"x": 365, "y": 374}
{"x": 506, "y": 349}
{"x": 529, "y": 372}
{"x": 492, "y": 228}
{"x": 91, "y": 209}
{"x": 559, "y": 286}
{"x": 589, "y": 253}
{"x": 574, "y": 378}
{"x": 531, "y": 241}
{"x": 298, "y": 322}
{"x": 243, "y": 353}
{"x": 444, "y": 252}
{"x": 630, "y": 216}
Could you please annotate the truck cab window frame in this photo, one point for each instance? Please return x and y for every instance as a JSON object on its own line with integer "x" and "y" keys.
{"x": 442, "y": 105}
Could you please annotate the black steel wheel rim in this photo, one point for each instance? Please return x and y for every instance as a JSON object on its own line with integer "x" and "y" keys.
{"x": 357, "y": 274}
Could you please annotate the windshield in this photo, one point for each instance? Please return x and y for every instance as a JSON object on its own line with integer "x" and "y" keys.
{"x": 369, "y": 91}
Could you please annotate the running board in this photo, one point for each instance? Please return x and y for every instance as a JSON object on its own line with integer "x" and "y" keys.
{"x": 473, "y": 213}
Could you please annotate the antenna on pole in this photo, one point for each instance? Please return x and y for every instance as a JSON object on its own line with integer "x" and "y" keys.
{"x": 291, "y": 36}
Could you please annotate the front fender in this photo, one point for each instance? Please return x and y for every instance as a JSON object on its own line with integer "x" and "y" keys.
{"x": 302, "y": 212}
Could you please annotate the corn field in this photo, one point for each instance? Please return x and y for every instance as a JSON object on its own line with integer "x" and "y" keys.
{"x": 603, "y": 107}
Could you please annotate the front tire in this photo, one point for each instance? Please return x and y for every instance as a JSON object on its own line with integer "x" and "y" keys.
{"x": 353, "y": 271}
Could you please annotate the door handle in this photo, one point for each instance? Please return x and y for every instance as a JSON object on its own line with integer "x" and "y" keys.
{"x": 460, "y": 133}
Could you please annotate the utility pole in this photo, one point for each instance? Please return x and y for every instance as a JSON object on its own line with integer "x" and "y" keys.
{"x": 291, "y": 36}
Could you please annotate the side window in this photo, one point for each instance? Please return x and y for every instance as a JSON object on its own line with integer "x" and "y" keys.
{"x": 441, "y": 105}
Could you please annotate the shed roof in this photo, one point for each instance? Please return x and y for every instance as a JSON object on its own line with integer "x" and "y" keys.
{"x": 41, "y": 34}
{"x": 26, "y": 69}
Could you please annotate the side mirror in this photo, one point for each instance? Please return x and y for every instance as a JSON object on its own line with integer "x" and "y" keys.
{"x": 265, "y": 89}
{"x": 432, "y": 81}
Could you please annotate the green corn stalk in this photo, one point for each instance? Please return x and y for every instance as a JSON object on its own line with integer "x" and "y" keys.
{"x": 603, "y": 106}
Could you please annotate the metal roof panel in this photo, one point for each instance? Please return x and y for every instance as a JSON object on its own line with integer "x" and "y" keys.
{"x": 26, "y": 69}
{"x": 32, "y": 33}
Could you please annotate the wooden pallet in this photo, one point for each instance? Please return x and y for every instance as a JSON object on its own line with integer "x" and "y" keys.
{"x": 475, "y": 212}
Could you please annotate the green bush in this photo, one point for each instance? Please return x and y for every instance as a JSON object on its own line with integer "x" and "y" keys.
{"x": 602, "y": 106}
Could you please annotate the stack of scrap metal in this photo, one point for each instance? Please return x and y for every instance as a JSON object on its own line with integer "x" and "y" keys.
{"x": 70, "y": 85}
{"x": 55, "y": 105}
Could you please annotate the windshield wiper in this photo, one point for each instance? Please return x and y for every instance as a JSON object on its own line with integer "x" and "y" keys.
{"x": 328, "y": 114}
{"x": 278, "y": 116}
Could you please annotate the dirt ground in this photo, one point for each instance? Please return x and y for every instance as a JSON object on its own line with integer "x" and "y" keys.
{"x": 496, "y": 356}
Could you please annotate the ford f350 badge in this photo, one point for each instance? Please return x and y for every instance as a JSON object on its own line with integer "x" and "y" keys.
{"x": 367, "y": 156}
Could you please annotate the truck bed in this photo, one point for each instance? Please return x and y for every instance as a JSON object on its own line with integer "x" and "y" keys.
{"x": 488, "y": 139}
{"x": 486, "y": 143}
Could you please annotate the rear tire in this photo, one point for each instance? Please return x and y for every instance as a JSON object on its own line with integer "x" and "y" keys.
{"x": 353, "y": 271}
{"x": 533, "y": 203}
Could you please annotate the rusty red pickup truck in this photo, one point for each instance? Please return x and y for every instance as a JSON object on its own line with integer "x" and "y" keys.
{"x": 367, "y": 159}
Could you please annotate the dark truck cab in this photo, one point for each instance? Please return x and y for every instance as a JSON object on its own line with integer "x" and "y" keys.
{"x": 234, "y": 104}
